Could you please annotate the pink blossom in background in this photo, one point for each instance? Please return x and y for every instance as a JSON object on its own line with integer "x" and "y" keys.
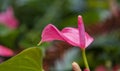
{"x": 5, "y": 52}
{"x": 116, "y": 68}
{"x": 7, "y": 18}
{"x": 74, "y": 36}
{"x": 101, "y": 68}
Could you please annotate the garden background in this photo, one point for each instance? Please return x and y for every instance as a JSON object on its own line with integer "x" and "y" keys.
{"x": 101, "y": 19}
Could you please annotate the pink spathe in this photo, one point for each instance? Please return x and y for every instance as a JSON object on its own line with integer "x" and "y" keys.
{"x": 5, "y": 52}
{"x": 74, "y": 36}
{"x": 7, "y": 18}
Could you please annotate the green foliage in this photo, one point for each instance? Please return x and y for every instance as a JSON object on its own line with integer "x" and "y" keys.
{"x": 9, "y": 36}
{"x": 4, "y": 30}
{"x": 30, "y": 39}
{"x": 28, "y": 60}
{"x": 104, "y": 4}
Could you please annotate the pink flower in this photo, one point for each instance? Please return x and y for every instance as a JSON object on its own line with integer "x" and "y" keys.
{"x": 7, "y": 18}
{"x": 74, "y": 36}
{"x": 6, "y": 52}
{"x": 101, "y": 68}
{"x": 116, "y": 68}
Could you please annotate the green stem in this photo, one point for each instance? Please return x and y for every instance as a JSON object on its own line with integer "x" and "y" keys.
{"x": 85, "y": 59}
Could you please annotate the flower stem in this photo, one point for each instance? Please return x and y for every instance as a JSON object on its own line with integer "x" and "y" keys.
{"x": 85, "y": 59}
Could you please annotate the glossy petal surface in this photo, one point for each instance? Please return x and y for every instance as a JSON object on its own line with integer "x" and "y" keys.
{"x": 51, "y": 33}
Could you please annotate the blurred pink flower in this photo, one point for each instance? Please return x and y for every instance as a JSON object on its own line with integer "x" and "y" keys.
{"x": 73, "y": 36}
{"x": 116, "y": 68}
{"x": 5, "y": 52}
{"x": 7, "y": 18}
{"x": 101, "y": 68}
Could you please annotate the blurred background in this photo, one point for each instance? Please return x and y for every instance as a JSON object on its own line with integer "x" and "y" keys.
{"x": 27, "y": 18}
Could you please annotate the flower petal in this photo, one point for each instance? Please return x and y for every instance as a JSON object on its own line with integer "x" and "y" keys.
{"x": 50, "y": 33}
{"x": 71, "y": 36}
{"x": 68, "y": 34}
{"x": 88, "y": 40}
{"x": 6, "y": 52}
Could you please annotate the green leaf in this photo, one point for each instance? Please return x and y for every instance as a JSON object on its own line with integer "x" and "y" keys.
{"x": 28, "y": 60}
